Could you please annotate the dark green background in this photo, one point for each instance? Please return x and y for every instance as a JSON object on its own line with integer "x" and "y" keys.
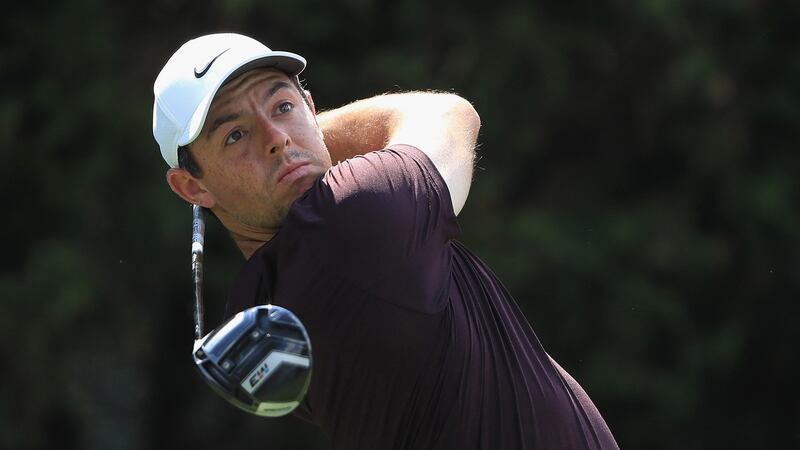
{"x": 637, "y": 191}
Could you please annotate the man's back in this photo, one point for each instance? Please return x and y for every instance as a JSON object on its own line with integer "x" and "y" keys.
{"x": 416, "y": 343}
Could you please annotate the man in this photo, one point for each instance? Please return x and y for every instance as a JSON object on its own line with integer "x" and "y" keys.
{"x": 417, "y": 344}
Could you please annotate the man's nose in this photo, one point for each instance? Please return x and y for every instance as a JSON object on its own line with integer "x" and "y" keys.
{"x": 275, "y": 138}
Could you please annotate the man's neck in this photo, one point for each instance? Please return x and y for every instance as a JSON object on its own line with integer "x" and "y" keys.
{"x": 247, "y": 238}
{"x": 249, "y": 243}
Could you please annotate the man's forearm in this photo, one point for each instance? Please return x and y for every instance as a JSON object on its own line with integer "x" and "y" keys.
{"x": 357, "y": 128}
{"x": 369, "y": 124}
{"x": 444, "y": 126}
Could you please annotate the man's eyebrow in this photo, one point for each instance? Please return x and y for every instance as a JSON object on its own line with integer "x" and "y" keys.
{"x": 275, "y": 88}
{"x": 219, "y": 121}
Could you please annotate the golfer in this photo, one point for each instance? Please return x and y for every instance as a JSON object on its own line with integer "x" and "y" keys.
{"x": 348, "y": 219}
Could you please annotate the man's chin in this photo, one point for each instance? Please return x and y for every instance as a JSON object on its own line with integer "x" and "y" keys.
{"x": 302, "y": 185}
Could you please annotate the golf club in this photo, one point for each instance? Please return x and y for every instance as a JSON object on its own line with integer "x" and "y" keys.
{"x": 260, "y": 359}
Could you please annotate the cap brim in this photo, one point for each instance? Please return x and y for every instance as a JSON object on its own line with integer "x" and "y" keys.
{"x": 286, "y": 62}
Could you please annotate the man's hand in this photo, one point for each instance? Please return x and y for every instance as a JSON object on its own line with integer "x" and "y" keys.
{"x": 443, "y": 126}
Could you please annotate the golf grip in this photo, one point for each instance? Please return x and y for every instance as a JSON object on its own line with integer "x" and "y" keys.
{"x": 198, "y": 231}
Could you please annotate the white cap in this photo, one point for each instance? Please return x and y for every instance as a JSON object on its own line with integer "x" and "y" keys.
{"x": 191, "y": 78}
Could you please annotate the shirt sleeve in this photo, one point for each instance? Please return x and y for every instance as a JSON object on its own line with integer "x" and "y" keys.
{"x": 389, "y": 219}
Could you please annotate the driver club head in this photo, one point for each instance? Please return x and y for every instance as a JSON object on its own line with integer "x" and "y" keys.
{"x": 259, "y": 360}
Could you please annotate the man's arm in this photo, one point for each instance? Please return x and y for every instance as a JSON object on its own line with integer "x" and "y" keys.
{"x": 443, "y": 126}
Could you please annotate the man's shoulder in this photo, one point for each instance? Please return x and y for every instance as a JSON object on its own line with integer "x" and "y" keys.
{"x": 393, "y": 170}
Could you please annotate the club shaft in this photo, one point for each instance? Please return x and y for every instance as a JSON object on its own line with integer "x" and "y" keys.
{"x": 198, "y": 233}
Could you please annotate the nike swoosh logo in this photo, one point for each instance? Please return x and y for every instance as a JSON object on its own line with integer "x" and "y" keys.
{"x": 208, "y": 66}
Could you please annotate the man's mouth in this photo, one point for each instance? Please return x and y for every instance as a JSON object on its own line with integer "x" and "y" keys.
{"x": 294, "y": 171}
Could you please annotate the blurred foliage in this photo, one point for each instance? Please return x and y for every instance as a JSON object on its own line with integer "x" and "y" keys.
{"x": 637, "y": 191}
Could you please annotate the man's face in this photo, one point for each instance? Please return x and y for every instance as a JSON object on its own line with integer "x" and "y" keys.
{"x": 259, "y": 150}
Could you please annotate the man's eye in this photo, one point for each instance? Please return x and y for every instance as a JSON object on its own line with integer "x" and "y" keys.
{"x": 233, "y": 137}
{"x": 285, "y": 107}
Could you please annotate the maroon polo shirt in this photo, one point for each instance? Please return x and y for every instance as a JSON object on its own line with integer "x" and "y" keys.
{"x": 416, "y": 343}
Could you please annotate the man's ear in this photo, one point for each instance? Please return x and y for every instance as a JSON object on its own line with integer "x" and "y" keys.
{"x": 189, "y": 188}
{"x": 310, "y": 101}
